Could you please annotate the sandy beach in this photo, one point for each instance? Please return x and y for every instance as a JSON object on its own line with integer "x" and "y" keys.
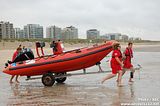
{"x": 141, "y": 47}
{"x": 85, "y": 90}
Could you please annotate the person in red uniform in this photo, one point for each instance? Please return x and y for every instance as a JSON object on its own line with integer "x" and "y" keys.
{"x": 127, "y": 61}
{"x": 59, "y": 48}
{"x": 116, "y": 65}
{"x": 62, "y": 46}
{"x": 13, "y": 58}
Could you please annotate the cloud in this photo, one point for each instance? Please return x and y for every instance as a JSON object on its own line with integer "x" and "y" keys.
{"x": 132, "y": 17}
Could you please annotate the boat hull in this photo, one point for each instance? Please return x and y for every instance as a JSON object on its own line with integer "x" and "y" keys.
{"x": 70, "y": 61}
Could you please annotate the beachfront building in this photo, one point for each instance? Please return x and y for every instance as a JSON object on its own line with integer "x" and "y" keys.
{"x": 70, "y": 33}
{"x": 114, "y": 36}
{"x": 53, "y": 32}
{"x": 135, "y": 38}
{"x": 19, "y": 33}
{"x": 93, "y": 34}
{"x": 105, "y": 36}
{"x": 124, "y": 38}
{"x": 6, "y": 30}
{"x": 33, "y": 31}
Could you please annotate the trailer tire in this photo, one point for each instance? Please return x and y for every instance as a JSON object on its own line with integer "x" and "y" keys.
{"x": 48, "y": 79}
{"x": 62, "y": 79}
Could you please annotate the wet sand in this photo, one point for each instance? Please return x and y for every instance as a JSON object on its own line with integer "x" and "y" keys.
{"x": 86, "y": 90}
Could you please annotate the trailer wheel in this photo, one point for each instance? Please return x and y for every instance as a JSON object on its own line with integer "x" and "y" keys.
{"x": 61, "y": 79}
{"x": 48, "y": 79}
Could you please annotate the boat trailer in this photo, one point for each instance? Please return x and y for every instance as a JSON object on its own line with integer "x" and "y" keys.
{"x": 49, "y": 79}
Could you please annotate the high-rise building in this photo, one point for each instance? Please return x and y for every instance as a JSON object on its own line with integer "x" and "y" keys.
{"x": 125, "y": 37}
{"x": 6, "y": 30}
{"x": 135, "y": 38}
{"x": 105, "y": 36}
{"x": 53, "y": 32}
{"x": 19, "y": 33}
{"x": 93, "y": 34}
{"x": 70, "y": 33}
{"x": 114, "y": 36}
{"x": 17, "y": 30}
{"x": 33, "y": 31}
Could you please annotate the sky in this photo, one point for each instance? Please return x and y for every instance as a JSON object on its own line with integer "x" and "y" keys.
{"x": 135, "y": 18}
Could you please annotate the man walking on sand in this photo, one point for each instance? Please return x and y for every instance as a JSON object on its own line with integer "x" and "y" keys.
{"x": 127, "y": 61}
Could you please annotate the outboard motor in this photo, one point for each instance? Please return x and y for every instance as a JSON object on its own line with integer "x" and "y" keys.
{"x": 25, "y": 54}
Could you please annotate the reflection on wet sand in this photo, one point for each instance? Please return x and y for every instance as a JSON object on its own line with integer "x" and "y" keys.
{"x": 69, "y": 95}
{"x": 60, "y": 94}
{"x": 120, "y": 95}
{"x": 132, "y": 90}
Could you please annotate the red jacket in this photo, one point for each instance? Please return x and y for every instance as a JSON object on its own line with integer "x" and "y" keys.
{"x": 116, "y": 53}
{"x": 14, "y": 55}
{"x": 129, "y": 54}
{"x": 114, "y": 64}
{"x": 59, "y": 49}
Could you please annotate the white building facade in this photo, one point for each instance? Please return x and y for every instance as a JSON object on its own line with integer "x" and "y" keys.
{"x": 33, "y": 31}
{"x": 54, "y": 32}
{"x": 70, "y": 33}
{"x": 93, "y": 34}
{"x": 6, "y": 30}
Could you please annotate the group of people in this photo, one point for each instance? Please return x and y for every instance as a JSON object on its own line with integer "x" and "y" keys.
{"x": 120, "y": 63}
{"x": 57, "y": 47}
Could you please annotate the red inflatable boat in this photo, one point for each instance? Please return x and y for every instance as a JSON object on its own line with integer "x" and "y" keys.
{"x": 53, "y": 64}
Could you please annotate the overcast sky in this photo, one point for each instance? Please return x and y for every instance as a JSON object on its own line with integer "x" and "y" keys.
{"x": 137, "y": 18}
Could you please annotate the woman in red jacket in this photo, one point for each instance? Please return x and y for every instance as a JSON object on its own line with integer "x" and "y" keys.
{"x": 116, "y": 65}
{"x": 127, "y": 61}
{"x": 13, "y": 58}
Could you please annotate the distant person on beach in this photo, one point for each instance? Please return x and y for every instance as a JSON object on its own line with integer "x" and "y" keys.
{"x": 116, "y": 64}
{"x": 15, "y": 54}
{"x": 128, "y": 53}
